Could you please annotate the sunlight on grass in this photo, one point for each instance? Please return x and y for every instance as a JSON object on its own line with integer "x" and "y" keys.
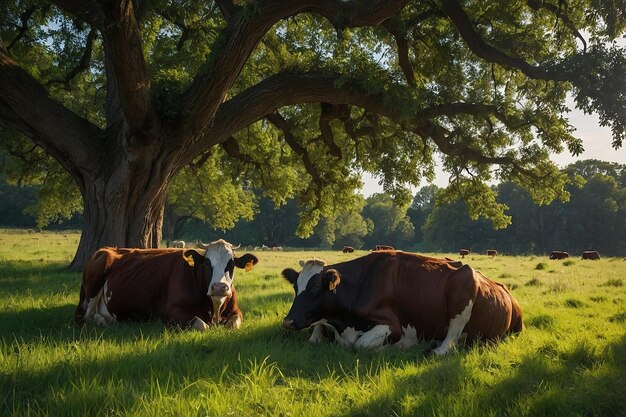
{"x": 568, "y": 360}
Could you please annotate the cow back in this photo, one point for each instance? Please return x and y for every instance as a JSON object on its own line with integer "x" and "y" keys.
{"x": 143, "y": 283}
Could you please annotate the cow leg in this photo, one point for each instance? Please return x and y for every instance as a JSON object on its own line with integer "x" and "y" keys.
{"x": 185, "y": 319}
{"x": 97, "y": 308}
{"x": 199, "y": 324}
{"x": 233, "y": 322}
{"x": 454, "y": 330}
{"x": 408, "y": 339}
{"x": 348, "y": 337}
{"x": 318, "y": 334}
{"x": 373, "y": 338}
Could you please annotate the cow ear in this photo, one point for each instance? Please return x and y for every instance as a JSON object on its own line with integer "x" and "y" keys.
{"x": 193, "y": 257}
{"x": 291, "y": 275}
{"x": 246, "y": 261}
{"x": 332, "y": 278}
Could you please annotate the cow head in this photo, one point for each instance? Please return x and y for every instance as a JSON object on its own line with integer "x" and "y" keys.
{"x": 314, "y": 288}
{"x": 221, "y": 262}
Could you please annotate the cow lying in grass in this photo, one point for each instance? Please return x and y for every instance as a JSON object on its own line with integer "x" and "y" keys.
{"x": 181, "y": 287}
{"x": 396, "y": 297}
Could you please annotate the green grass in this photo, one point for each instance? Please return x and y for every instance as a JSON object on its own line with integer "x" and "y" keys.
{"x": 569, "y": 361}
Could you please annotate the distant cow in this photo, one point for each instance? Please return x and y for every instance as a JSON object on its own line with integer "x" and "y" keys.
{"x": 348, "y": 249}
{"x": 492, "y": 252}
{"x": 178, "y": 244}
{"x": 591, "y": 254}
{"x": 181, "y": 287}
{"x": 399, "y": 297}
{"x": 557, "y": 254}
{"x": 464, "y": 252}
{"x": 384, "y": 247}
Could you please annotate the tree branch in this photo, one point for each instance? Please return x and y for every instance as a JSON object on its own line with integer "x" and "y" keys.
{"x": 536, "y": 5}
{"x": 403, "y": 50}
{"x": 227, "y": 8}
{"x": 282, "y": 124}
{"x": 287, "y": 89}
{"x": 483, "y": 50}
{"x": 83, "y": 64}
{"x": 26, "y": 106}
{"x": 238, "y": 39}
{"x": 24, "y": 18}
{"x": 86, "y": 10}
{"x": 122, "y": 45}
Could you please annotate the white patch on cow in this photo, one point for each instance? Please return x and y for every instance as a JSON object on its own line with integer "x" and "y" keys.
{"x": 199, "y": 324}
{"x": 454, "y": 330}
{"x": 217, "y": 305}
{"x": 220, "y": 253}
{"x": 348, "y": 337}
{"x": 345, "y": 339}
{"x": 318, "y": 334}
{"x": 373, "y": 338}
{"x": 309, "y": 269}
{"x": 97, "y": 309}
{"x": 408, "y": 339}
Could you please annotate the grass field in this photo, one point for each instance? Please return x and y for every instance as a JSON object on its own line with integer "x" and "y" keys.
{"x": 569, "y": 361}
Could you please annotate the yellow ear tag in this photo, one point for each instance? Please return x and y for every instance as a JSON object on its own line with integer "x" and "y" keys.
{"x": 332, "y": 285}
{"x": 189, "y": 260}
{"x": 249, "y": 266}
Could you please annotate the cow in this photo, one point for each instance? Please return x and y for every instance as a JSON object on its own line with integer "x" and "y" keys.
{"x": 557, "y": 254}
{"x": 383, "y": 247}
{"x": 492, "y": 252}
{"x": 464, "y": 252}
{"x": 178, "y": 244}
{"x": 397, "y": 297}
{"x": 591, "y": 255}
{"x": 348, "y": 249}
{"x": 183, "y": 288}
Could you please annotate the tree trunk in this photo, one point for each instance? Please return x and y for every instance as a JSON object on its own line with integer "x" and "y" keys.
{"x": 124, "y": 207}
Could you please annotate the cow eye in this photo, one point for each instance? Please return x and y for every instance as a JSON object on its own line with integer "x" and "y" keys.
{"x": 230, "y": 266}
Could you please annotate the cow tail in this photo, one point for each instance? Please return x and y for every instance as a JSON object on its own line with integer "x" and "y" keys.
{"x": 79, "y": 314}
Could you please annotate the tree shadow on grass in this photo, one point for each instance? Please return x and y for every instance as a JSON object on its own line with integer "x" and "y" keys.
{"x": 36, "y": 278}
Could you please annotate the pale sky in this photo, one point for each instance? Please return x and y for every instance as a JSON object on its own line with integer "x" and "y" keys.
{"x": 596, "y": 140}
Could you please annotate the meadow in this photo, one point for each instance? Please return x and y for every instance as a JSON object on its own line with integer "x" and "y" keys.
{"x": 569, "y": 361}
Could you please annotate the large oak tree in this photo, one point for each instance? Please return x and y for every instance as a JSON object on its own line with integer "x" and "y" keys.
{"x": 298, "y": 97}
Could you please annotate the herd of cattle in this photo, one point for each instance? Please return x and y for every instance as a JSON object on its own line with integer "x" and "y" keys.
{"x": 385, "y": 297}
{"x": 555, "y": 254}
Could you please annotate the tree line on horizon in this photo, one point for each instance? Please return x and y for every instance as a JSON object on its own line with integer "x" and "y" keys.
{"x": 593, "y": 218}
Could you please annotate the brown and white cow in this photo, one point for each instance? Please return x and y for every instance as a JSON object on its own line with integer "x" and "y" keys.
{"x": 181, "y": 287}
{"x": 591, "y": 254}
{"x": 557, "y": 254}
{"x": 397, "y": 297}
{"x": 347, "y": 249}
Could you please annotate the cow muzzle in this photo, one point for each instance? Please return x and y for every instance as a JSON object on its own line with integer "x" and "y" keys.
{"x": 219, "y": 289}
{"x": 288, "y": 324}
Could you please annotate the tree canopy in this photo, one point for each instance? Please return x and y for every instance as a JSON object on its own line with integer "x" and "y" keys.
{"x": 297, "y": 98}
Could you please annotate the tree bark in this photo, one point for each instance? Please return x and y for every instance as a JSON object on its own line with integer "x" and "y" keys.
{"x": 124, "y": 203}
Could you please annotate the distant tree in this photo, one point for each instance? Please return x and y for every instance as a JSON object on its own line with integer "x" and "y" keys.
{"x": 449, "y": 228}
{"x": 589, "y": 167}
{"x": 420, "y": 208}
{"x": 596, "y": 216}
{"x": 391, "y": 226}
{"x": 14, "y": 201}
